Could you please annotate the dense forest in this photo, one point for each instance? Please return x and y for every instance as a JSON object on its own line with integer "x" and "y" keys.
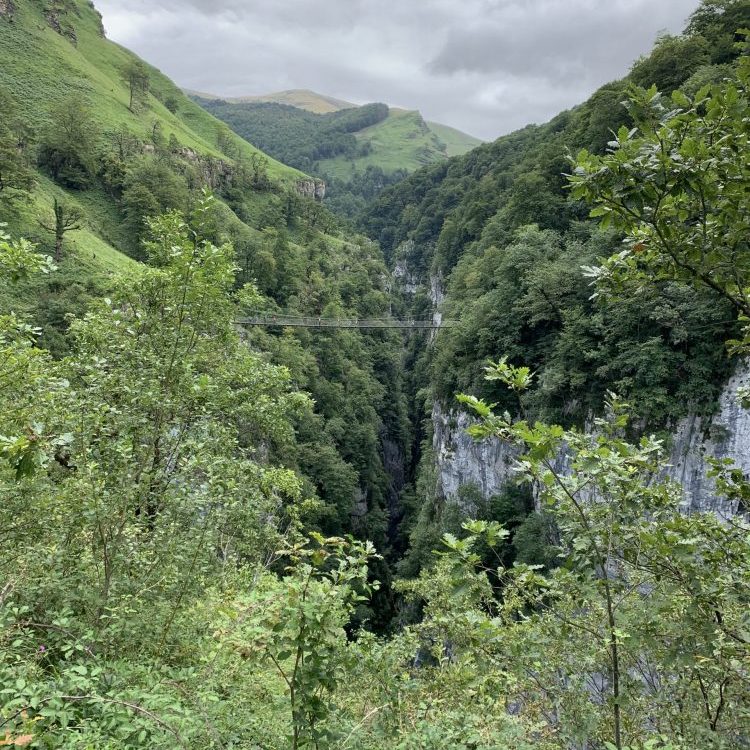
{"x": 228, "y": 537}
{"x": 295, "y": 136}
{"x": 498, "y": 231}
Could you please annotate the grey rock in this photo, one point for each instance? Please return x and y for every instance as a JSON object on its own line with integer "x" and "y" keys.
{"x": 311, "y": 188}
{"x": 7, "y": 9}
{"x": 489, "y": 465}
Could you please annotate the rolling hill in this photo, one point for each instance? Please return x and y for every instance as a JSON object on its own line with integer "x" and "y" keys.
{"x": 301, "y": 98}
{"x": 357, "y": 150}
{"x": 402, "y": 140}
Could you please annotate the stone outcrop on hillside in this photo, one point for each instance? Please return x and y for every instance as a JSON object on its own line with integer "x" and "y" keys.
{"x": 215, "y": 173}
{"x": 312, "y": 188}
{"x": 57, "y": 13}
{"x": 488, "y": 465}
{"x": 7, "y": 9}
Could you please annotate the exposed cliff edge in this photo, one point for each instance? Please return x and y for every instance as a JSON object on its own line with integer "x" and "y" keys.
{"x": 312, "y": 188}
{"x": 488, "y": 465}
{"x": 7, "y": 8}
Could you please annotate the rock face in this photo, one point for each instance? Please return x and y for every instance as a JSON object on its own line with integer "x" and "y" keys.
{"x": 461, "y": 460}
{"x": 488, "y": 465}
{"x": 408, "y": 283}
{"x": 57, "y": 14}
{"x": 7, "y": 9}
{"x": 312, "y": 188}
{"x": 725, "y": 435}
{"x": 215, "y": 173}
{"x": 437, "y": 296}
{"x": 100, "y": 20}
{"x": 394, "y": 464}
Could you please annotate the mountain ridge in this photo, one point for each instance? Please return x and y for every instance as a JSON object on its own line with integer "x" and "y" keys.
{"x": 357, "y": 150}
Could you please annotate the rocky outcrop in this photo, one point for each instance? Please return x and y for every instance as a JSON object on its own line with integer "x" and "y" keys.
{"x": 215, "y": 174}
{"x": 437, "y": 296}
{"x": 7, "y": 9}
{"x": 359, "y": 510}
{"x": 488, "y": 465}
{"x": 57, "y": 14}
{"x": 725, "y": 435}
{"x": 311, "y": 188}
{"x": 407, "y": 283}
{"x": 56, "y": 22}
{"x": 99, "y": 19}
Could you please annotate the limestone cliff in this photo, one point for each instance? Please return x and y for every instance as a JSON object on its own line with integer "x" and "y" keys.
{"x": 488, "y": 465}
{"x": 7, "y": 8}
{"x": 312, "y": 188}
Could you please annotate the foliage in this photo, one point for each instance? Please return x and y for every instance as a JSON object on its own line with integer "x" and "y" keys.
{"x": 295, "y": 136}
{"x": 136, "y": 76}
{"x": 675, "y": 187}
{"x": 298, "y": 626}
{"x": 69, "y": 144}
{"x": 655, "y": 628}
{"x": 657, "y": 348}
{"x": 137, "y": 464}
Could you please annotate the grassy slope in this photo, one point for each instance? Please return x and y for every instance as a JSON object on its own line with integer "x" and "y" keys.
{"x": 301, "y": 98}
{"x": 456, "y": 142}
{"x": 39, "y": 67}
{"x": 305, "y": 99}
{"x": 401, "y": 141}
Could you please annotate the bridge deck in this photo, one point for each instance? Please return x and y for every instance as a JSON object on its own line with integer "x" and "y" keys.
{"x": 296, "y": 321}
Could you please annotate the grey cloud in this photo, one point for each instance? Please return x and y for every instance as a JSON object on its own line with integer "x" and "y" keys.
{"x": 485, "y": 66}
{"x": 559, "y": 40}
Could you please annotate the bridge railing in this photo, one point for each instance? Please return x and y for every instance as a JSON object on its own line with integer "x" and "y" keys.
{"x": 299, "y": 321}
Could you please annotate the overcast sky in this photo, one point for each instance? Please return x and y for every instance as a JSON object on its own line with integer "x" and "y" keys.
{"x": 484, "y": 66}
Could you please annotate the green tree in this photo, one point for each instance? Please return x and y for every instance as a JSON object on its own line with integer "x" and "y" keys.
{"x": 150, "y": 188}
{"x": 70, "y": 141}
{"x": 68, "y": 218}
{"x": 137, "y": 78}
{"x": 676, "y": 187}
{"x": 172, "y": 103}
{"x": 626, "y": 601}
{"x": 133, "y": 478}
{"x": 298, "y": 626}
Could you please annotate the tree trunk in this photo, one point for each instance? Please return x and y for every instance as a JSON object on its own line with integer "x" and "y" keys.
{"x": 59, "y": 230}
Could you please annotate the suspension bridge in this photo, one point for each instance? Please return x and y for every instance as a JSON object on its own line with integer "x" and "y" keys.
{"x": 300, "y": 321}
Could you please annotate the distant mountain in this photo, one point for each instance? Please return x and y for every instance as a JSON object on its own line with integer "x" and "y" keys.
{"x": 357, "y": 149}
{"x": 305, "y": 99}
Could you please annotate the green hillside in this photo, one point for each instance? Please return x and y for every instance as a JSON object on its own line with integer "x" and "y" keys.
{"x": 300, "y": 98}
{"x": 456, "y": 142}
{"x": 45, "y": 63}
{"x": 41, "y": 66}
{"x": 67, "y": 125}
{"x": 402, "y": 141}
{"x": 357, "y": 150}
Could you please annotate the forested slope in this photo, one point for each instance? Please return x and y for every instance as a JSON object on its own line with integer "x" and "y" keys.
{"x": 90, "y": 131}
{"x": 499, "y": 234}
{"x": 200, "y": 523}
{"x": 498, "y": 227}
